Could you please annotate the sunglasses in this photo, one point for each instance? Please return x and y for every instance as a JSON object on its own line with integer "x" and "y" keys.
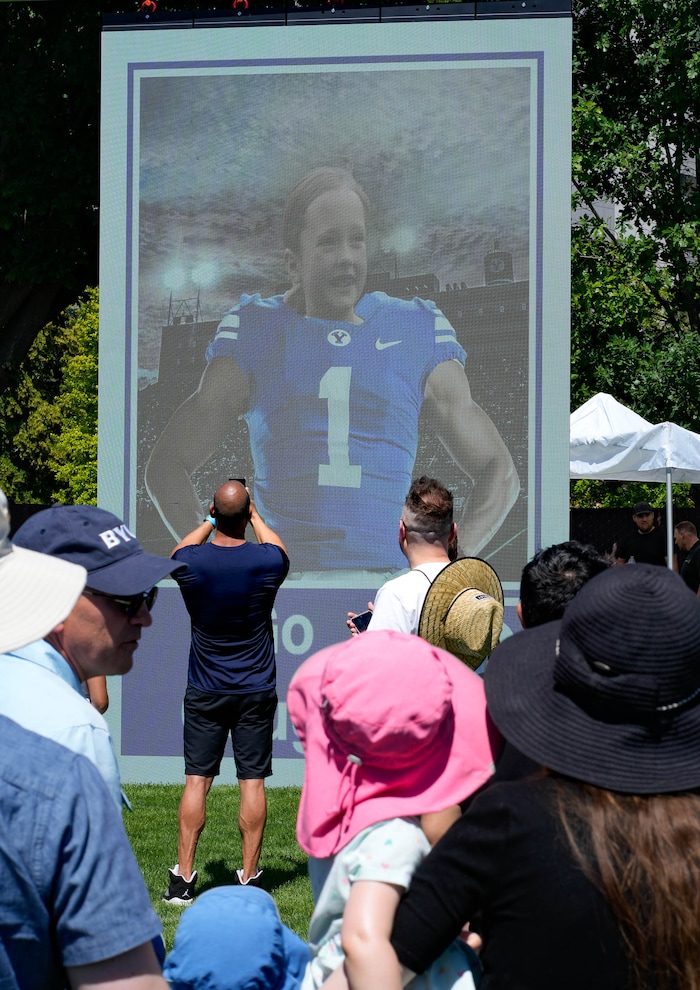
{"x": 129, "y": 606}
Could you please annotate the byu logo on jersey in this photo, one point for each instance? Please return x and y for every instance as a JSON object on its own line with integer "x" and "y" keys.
{"x": 339, "y": 338}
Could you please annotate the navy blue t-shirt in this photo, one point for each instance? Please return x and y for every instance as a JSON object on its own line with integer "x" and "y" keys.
{"x": 229, "y": 593}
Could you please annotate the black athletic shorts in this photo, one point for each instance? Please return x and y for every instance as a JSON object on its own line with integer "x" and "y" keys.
{"x": 209, "y": 718}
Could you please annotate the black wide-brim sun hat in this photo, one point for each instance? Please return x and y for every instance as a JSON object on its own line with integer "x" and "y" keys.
{"x": 610, "y": 693}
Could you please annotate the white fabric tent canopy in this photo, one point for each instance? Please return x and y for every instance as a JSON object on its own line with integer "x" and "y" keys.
{"x": 611, "y": 442}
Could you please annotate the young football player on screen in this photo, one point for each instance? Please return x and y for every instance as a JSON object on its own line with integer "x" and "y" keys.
{"x": 331, "y": 382}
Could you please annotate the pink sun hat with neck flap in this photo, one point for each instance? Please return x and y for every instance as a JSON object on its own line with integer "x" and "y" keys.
{"x": 391, "y": 727}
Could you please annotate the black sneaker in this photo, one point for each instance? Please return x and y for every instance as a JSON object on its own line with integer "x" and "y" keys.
{"x": 251, "y": 881}
{"x": 180, "y": 891}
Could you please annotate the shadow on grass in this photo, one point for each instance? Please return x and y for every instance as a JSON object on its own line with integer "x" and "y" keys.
{"x": 219, "y": 875}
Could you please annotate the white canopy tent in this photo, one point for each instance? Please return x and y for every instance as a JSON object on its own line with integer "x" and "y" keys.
{"x": 611, "y": 442}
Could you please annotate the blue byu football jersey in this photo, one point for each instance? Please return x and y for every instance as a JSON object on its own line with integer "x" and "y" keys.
{"x": 333, "y": 420}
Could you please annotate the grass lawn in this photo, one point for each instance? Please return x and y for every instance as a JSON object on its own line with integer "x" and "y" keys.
{"x": 152, "y": 829}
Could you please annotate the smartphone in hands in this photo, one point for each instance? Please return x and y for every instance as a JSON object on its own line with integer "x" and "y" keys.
{"x": 361, "y": 621}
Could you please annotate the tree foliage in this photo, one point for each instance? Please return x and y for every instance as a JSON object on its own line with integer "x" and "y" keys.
{"x": 590, "y": 493}
{"x": 636, "y": 286}
{"x": 636, "y": 130}
{"x": 48, "y": 420}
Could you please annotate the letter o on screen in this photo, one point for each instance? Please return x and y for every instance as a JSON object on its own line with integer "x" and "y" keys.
{"x": 307, "y": 634}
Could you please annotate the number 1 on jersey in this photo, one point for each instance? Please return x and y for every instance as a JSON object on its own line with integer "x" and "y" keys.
{"x": 339, "y": 472}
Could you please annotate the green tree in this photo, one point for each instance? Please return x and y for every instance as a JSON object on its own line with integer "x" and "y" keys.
{"x": 636, "y": 131}
{"x": 590, "y": 493}
{"x": 48, "y": 418}
{"x": 636, "y": 288}
{"x": 621, "y": 341}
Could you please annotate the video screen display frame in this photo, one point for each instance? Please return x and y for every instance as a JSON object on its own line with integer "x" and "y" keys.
{"x": 459, "y": 135}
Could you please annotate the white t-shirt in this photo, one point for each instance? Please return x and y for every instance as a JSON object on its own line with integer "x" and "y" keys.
{"x": 398, "y": 603}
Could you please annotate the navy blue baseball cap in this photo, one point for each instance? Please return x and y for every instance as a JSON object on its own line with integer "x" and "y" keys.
{"x": 115, "y": 561}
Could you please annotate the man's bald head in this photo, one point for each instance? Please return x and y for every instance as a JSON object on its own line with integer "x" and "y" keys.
{"x": 231, "y": 507}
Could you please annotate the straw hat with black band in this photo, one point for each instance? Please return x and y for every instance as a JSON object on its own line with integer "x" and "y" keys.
{"x": 463, "y": 610}
{"x": 610, "y": 693}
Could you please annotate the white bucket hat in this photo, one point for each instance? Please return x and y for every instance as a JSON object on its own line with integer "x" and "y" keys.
{"x": 36, "y": 591}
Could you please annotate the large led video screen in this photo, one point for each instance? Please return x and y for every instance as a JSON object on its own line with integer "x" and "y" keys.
{"x": 334, "y": 257}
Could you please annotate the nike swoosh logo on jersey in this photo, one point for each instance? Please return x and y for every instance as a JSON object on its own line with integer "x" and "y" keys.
{"x": 382, "y": 347}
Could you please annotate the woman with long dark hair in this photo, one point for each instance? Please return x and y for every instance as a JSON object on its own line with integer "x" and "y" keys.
{"x": 587, "y": 873}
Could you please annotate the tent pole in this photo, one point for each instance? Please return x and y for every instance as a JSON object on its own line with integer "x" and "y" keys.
{"x": 669, "y": 518}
